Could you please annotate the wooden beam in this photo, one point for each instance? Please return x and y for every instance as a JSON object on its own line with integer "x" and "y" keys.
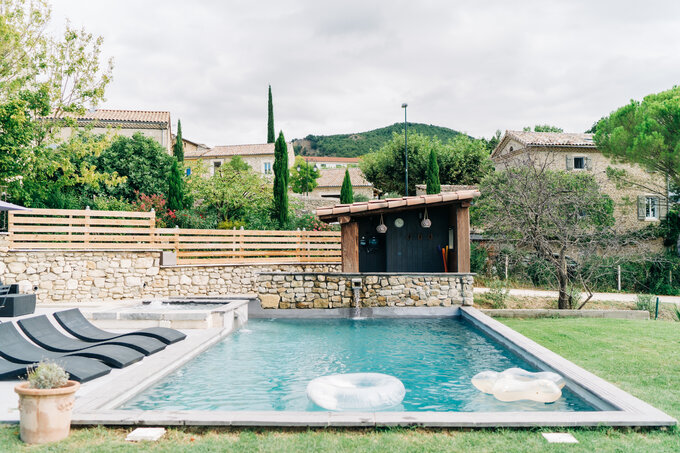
{"x": 344, "y": 219}
{"x": 349, "y": 233}
{"x": 463, "y": 239}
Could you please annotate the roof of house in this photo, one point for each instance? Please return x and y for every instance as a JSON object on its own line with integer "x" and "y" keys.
{"x": 547, "y": 139}
{"x": 348, "y": 160}
{"x": 374, "y": 207}
{"x": 333, "y": 177}
{"x": 238, "y": 150}
{"x": 140, "y": 118}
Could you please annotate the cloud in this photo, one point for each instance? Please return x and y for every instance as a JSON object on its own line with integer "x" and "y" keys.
{"x": 338, "y": 67}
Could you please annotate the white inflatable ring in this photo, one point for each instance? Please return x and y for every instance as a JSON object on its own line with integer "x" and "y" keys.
{"x": 516, "y": 384}
{"x": 356, "y": 391}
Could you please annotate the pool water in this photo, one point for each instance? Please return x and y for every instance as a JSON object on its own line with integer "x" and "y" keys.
{"x": 267, "y": 365}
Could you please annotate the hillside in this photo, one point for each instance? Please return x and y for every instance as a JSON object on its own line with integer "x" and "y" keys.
{"x": 360, "y": 143}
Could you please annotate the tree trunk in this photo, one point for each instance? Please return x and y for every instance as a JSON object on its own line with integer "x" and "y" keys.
{"x": 563, "y": 279}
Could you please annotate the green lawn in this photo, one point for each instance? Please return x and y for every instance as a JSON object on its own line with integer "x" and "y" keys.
{"x": 642, "y": 357}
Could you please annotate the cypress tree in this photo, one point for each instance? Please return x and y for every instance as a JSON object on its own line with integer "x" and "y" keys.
{"x": 280, "y": 212}
{"x": 346, "y": 193}
{"x": 175, "y": 195}
{"x": 178, "y": 148}
{"x": 270, "y": 118}
{"x": 433, "y": 185}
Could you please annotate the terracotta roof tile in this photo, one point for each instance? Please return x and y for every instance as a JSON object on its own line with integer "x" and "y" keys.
{"x": 348, "y": 160}
{"x": 333, "y": 177}
{"x": 327, "y": 213}
{"x": 552, "y": 138}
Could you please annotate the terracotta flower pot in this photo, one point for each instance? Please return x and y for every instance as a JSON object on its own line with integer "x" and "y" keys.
{"x": 45, "y": 414}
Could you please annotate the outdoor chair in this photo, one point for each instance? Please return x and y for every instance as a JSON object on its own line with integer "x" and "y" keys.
{"x": 76, "y": 324}
{"x": 16, "y": 348}
{"x": 42, "y": 331}
{"x": 14, "y": 304}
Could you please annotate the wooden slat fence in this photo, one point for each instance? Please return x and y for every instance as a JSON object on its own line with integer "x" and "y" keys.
{"x": 44, "y": 229}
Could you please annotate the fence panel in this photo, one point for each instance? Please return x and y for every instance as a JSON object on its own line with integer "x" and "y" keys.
{"x": 50, "y": 229}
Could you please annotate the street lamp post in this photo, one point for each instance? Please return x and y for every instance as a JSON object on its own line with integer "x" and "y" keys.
{"x": 403, "y": 106}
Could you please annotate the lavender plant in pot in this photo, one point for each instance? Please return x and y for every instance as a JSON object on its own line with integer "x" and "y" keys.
{"x": 45, "y": 404}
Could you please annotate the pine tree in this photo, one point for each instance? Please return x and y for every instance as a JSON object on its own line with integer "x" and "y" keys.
{"x": 175, "y": 195}
{"x": 433, "y": 185}
{"x": 280, "y": 212}
{"x": 270, "y": 118}
{"x": 178, "y": 148}
{"x": 346, "y": 193}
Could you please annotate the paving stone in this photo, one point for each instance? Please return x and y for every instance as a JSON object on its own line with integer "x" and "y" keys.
{"x": 145, "y": 435}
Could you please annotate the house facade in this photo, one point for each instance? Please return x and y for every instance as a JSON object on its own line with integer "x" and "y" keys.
{"x": 636, "y": 205}
{"x": 322, "y": 162}
{"x": 259, "y": 156}
{"x": 153, "y": 124}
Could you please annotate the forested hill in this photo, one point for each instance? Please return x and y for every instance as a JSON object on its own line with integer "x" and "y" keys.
{"x": 360, "y": 143}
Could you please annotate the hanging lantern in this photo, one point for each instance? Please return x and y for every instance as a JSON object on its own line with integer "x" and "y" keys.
{"x": 426, "y": 222}
{"x": 382, "y": 228}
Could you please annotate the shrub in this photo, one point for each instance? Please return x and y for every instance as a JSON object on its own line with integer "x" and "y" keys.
{"x": 498, "y": 293}
{"x": 676, "y": 310}
{"x": 230, "y": 224}
{"x": 110, "y": 204}
{"x": 310, "y": 222}
{"x": 191, "y": 218}
{"x": 360, "y": 197}
{"x": 478, "y": 256}
{"x": 645, "y": 302}
{"x": 47, "y": 375}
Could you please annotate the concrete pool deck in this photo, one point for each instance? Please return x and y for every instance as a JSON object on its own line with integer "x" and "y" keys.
{"x": 97, "y": 401}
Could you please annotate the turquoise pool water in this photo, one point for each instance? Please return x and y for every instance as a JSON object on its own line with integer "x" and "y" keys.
{"x": 268, "y": 364}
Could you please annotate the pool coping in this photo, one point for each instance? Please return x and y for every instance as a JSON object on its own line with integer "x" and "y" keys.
{"x": 631, "y": 410}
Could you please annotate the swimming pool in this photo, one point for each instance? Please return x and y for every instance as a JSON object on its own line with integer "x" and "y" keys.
{"x": 267, "y": 365}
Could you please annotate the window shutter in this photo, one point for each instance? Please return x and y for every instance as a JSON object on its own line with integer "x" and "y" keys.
{"x": 570, "y": 162}
{"x": 589, "y": 163}
{"x": 641, "y": 207}
{"x": 663, "y": 208}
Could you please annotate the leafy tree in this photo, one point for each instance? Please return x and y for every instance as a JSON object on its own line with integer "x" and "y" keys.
{"x": 462, "y": 160}
{"x": 236, "y": 194}
{"x": 346, "y": 192}
{"x": 270, "y": 118}
{"x": 433, "y": 174}
{"x": 561, "y": 216}
{"x": 280, "y": 211}
{"x": 544, "y": 128}
{"x": 178, "y": 147}
{"x": 175, "y": 189}
{"x": 237, "y": 163}
{"x": 303, "y": 176}
{"x": 144, "y": 162}
{"x": 493, "y": 141}
{"x": 645, "y": 133}
{"x": 40, "y": 76}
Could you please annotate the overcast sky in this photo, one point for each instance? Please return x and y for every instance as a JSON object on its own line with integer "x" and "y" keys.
{"x": 347, "y": 66}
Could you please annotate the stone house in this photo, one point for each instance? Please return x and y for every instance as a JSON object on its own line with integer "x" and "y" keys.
{"x": 330, "y": 183}
{"x": 332, "y": 161}
{"x": 259, "y": 156}
{"x": 635, "y": 205}
{"x": 154, "y": 124}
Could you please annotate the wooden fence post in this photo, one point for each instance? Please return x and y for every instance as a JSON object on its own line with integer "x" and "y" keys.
{"x": 10, "y": 228}
{"x": 86, "y": 237}
{"x": 152, "y": 227}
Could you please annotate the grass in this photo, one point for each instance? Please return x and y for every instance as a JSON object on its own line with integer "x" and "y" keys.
{"x": 642, "y": 357}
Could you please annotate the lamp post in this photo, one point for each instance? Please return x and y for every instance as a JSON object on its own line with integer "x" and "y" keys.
{"x": 403, "y": 106}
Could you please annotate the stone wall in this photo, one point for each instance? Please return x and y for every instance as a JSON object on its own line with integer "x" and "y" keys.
{"x": 334, "y": 290}
{"x": 81, "y": 276}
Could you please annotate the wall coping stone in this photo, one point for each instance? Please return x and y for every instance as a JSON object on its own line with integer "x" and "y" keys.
{"x": 381, "y": 274}
{"x": 256, "y": 265}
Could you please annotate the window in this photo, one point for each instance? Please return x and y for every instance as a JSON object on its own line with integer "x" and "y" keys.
{"x": 188, "y": 171}
{"x": 651, "y": 208}
{"x": 215, "y": 166}
{"x": 267, "y": 168}
{"x": 579, "y": 163}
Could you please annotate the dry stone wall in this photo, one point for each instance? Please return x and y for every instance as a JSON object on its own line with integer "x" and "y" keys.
{"x": 335, "y": 290}
{"x": 81, "y": 276}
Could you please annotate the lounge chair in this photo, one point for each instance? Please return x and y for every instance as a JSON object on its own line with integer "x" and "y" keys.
{"x": 76, "y": 324}
{"x": 14, "y": 304}
{"x": 16, "y": 348}
{"x": 80, "y": 369}
{"x": 41, "y": 330}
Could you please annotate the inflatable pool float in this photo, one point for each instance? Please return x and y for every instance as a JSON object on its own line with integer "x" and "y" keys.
{"x": 516, "y": 384}
{"x": 356, "y": 391}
